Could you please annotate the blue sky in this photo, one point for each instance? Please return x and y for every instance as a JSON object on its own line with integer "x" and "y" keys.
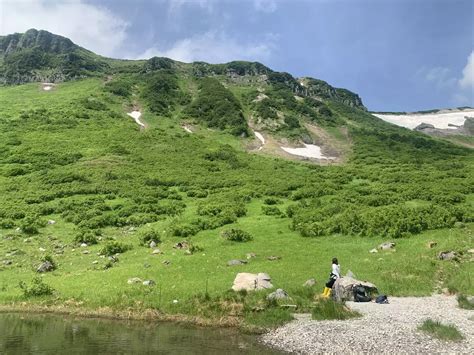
{"x": 399, "y": 55}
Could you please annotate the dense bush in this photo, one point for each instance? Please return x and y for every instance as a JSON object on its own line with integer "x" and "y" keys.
{"x": 236, "y": 235}
{"x": 114, "y": 247}
{"x": 147, "y": 236}
{"x": 87, "y": 237}
{"x": 37, "y": 288}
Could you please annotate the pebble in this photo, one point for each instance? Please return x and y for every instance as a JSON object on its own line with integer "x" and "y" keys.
{"x": 384, "y": 328}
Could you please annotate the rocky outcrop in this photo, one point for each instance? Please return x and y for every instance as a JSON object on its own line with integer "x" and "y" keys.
{"x": 251, "y": 282}
{"x": 343, "y": 288}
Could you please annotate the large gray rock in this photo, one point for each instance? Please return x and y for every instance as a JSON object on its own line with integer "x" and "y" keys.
{"x": 343, "y": 288}
{"x": 134, "y": 280}
{"x": 250, "y": 282}
{"x": 447, "y": 255}
{"x": 45, "y": 267}
{"x": 279, "y": 294}
{"x": 387, "y": 246}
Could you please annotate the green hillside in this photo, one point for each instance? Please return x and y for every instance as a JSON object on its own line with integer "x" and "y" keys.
{"x": 72, "y": 155}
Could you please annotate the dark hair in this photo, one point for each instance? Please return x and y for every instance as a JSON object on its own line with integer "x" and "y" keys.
{"x": 334, "y": 261}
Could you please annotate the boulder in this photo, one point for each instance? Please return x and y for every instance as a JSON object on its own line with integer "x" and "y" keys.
{"x": 84, "y": 245}
{"x": 387, "y": 246}
{"x": 149, "y": 283}
{"x": 134, "y": 280}
{"x": 235, "y": 262}
{"x": 447, "y": 255}
{"x": 422, "y": 126}
{"x": 279, "y": 294}
{"x": 181, "y": 245}
{"x": 45, "y": 267}
{"x": 152, "y": 244}
{"x": 250, "y": 282}
{"x": 156, "y": 251}
{"x": 309, "y": 283}
{"x": 342, "y": 289}
{"x": 431, "y": 244}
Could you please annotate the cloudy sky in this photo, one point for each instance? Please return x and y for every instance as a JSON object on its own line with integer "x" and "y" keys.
{"x": 399, "y": 55}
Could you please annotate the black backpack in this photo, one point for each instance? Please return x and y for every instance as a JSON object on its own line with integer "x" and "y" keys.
{"x": 382, "y": 299}
{"x": 360, "y": 294}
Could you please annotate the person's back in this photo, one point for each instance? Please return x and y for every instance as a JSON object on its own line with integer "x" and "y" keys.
{"x": 333, "y": 276}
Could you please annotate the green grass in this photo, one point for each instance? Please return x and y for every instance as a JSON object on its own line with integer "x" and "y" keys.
{"x": 102, "y": 175}
{"x": 464, "y": 302}
{"x": 441, "y": 331}
{"x": 327, "y": 309}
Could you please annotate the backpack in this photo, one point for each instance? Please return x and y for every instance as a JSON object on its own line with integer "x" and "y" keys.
{"x": 382, "y": 299}
{"x": 360, "y": 294}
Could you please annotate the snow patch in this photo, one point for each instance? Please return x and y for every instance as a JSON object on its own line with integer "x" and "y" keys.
{"x": 438, "y": 120}
{"x": 136, "y": 116}
{"x": 260, "y": 137}
{"x": 309, "y": 151}
{"x": 187, "y": 129}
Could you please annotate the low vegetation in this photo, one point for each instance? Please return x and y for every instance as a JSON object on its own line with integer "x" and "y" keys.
{"x": 327, "y": 309}
{"x": 441, "y": 331}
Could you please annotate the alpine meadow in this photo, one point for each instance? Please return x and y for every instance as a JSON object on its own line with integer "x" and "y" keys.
{"x": 225, "y": 168}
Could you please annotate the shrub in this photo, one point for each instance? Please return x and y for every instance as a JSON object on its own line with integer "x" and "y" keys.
{"x": 85, "y": 237}
{"x": 147, "y": 236}
{"x": 184, "y": 230}
{"x": 7, "y": 223}
{"x": 271, "y": 201}
{"x": 236, "y": 235}
{"x": 114, "y": 247}
{"x": 328, "y": 309}
{"x": 441, "y": 331}
{"x": 30, "y": 225}
{"x": 37, "y": 288}
{"x": 271, "y": 211}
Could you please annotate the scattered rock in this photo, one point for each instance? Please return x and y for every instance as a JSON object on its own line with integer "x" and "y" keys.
{"x": 156, "y": 251}
{"x": 166, "y": 262}
{"x": 250, "y": 255}
{"x": 45, "y": 267}
{"x": 279, "y": 294}
{"x": 152, "y": 244}
{"x": 272, "y": 258}
{"x": 373, "y": 251}
{"x": 309, "y": 283}
{"x": 134, "y": 280}
{"x": 42, "y": 249}
{"x": 250, "y": 282}
{"x": 431, "y": 244}
{"x": 149, "y": 283}
{"x": 471, "y": 251}
{"x": 113, "y": 258}
{"x": 51, "y": 221}
{"x": 95, "y": 262}
{"x": 86, "y": 252}
{"x": 447, "y": 255}
{"x": 7, "y": 262}
{"x": 181, "y": 245}
{"x": 459, "y": 225}
{"x": 235, "y": 262}
{"x": 387, "y": 246}
{"x": 84, "y": 245}
{"x": 342, "y": 289}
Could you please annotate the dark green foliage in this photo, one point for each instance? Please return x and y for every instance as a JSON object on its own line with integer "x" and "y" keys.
{"x": 464, "y": 302}
{"x": 157, "y": 63}
{"x": 30, "y": 225}
{"x": 271, "y": 211}
{"x": 87, "y": 237}
{"x": 36, "y": 289}
{"x": 114, "y": 247}
{"x": 327, "y": 309}
{"x": 49, "y": 259}
{"x": 121, "y": 87}
{"x": 147, "y": 236}
{"x": 162, "y": 92}
{"x": 217, "y": 107}
{"x": 271, "y": 201}
{"x": 236, "y": 235}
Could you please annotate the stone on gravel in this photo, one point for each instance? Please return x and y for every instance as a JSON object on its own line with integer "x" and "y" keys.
{"x": 250, "y": 282}
{"x": 343, "y": 288}
{"x": 309, "y": 283}
{"x": 149, "y": 283}
{"x": 279, "y": 294}
{"x": 134, "y": 280}
{"x": 387, "y": 246}
{"x": 447, "y": 255}
{"x": 235, "y": 262}
{"x": 45, "y": 267}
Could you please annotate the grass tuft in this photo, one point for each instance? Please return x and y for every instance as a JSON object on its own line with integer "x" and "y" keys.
{"x": 441, "y": 331}
{"x": 328, "y": 309}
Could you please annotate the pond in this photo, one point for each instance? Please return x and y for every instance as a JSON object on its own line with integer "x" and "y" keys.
{"x": 54, "y": 334}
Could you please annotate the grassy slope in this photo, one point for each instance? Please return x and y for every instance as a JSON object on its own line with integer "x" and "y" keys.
{"x": 165, "y": 150}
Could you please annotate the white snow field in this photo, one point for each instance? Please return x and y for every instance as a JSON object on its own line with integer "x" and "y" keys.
{"x": 440, "y": 120}
{"x": 136, "y": 116}
{"x": 309, "y": 151}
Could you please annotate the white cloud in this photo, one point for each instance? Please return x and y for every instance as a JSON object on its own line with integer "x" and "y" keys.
{"x": 265, "y": 5}
{"x": 92, "y": 27}
{"x": 175, "y": 6}
{"x": 440, "y": 77}
{"x": 467, "y": 80}
{"x": 214, "y": 47}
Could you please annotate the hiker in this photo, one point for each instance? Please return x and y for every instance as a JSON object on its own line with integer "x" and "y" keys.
{"x": 335, "y": 274}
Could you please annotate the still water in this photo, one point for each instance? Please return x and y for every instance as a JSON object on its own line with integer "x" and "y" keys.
{"x": 53, "y": 334}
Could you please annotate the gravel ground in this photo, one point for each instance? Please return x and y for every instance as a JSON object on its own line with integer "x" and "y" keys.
{"x": 387, "y": 328}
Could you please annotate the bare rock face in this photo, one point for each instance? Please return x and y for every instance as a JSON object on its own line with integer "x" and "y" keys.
{"x": 343, "y": 288}
{"x": 251, "y": 282}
